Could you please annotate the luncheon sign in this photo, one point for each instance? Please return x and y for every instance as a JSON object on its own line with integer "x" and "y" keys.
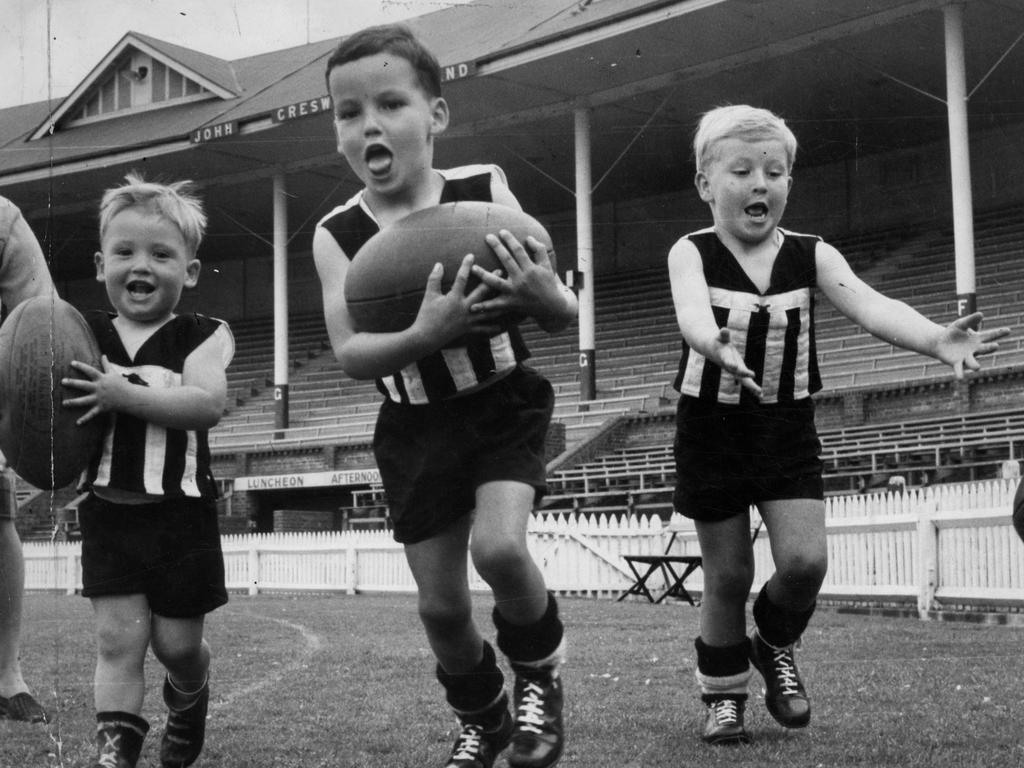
{"x": 308, "y": 480}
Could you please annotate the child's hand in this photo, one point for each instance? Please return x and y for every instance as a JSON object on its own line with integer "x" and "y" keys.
{"x": 959, "y": 343}
{"x": 527, "y": 285}
{"x": 104, "y": 390}
{"x": 731, "y": 362}
{"x": 446, "y": 316}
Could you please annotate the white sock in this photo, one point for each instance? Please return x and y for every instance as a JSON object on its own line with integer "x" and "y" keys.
{"x": 727, "y": 685}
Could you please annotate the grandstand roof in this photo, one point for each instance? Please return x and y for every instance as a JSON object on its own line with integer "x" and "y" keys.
{"x": 852, "y": 76}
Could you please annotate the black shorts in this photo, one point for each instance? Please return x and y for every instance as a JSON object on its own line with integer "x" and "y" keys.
{"x": 729, "y": 457}
{"x": 433, "y": 457}
{"x": 168, "y": 551}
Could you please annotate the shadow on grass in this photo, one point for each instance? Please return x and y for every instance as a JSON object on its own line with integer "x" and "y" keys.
{"x": 348, "y": 682}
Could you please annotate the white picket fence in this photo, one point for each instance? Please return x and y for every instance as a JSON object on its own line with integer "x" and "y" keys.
{"x": 951, "y": 544}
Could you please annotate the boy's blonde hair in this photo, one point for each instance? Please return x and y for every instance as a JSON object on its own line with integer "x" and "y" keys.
{"x": 739, "y": 121}
{"x": 176, "y": 202}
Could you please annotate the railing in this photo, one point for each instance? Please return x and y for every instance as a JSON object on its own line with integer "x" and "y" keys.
{"x": 935, "y": 546}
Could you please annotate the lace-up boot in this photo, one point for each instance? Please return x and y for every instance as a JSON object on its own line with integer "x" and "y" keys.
{"x": 784, "y": 693}
{"x": 539, "y": 736}
{"x": 119, "y": 737}
{"x": 723, "y": 689}
{"x": 482, "y": 736}
{"x": 723, "y": 720}
{"x": 186, "y": 727}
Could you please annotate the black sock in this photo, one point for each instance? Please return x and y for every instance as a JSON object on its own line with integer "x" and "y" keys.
{"x": 722, "y": 660}
{"x": 723, "y": 671}
{"x": 531, "y": 642}
{"x": 778, "y": 626}
{"x": 476, "y": 690}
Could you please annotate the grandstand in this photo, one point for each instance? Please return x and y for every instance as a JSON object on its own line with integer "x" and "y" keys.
{"x": 873, "y": 178}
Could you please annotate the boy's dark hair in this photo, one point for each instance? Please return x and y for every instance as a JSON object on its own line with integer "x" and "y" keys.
{"x": 396, "y": 39}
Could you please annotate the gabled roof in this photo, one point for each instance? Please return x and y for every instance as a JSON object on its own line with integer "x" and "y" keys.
{"x": 210, "y": 68}
{"x": 214, "y": 74}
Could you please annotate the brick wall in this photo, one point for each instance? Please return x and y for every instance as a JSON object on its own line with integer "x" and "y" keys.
{"x": 976, "y": 393}
{"x": 554, "y": 441}
{"x": 831, "y": 411}
{"x": 945, "y": 399}
{"x": 660, "y": 428}
{"x": 298, "y": 520}
{"x": 286, "y": 462}
{"x": 352, "y": 457}
{"x": 243, "y": 505}
{"x": 226, "y": 466}
{"x": 233, "y": 524}
{"x": 999, "y": 392}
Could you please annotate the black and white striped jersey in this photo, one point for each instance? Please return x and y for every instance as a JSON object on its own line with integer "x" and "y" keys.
{"x": 141, "y": 457}
{"x": 774, "y": 331}
{"x": 448, "y": 371}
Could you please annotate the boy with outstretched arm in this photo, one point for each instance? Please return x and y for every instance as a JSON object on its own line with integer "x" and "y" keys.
{"x": 743, "y": 291}
{"x": 151, "y": 554}
{"x": 459, "y": 439}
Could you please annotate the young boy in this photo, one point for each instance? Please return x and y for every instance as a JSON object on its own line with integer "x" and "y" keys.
{"x": 460, "y": 435}
{"x": 743, "y": 294}
{"x": 23, "y": 275}
{"x": 151, "y": 556}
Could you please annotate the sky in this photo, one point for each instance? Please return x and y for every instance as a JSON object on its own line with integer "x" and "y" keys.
{"x": 82, "y": 32}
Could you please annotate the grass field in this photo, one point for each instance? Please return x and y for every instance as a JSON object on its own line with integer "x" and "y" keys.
{"x": 347, "y": 682}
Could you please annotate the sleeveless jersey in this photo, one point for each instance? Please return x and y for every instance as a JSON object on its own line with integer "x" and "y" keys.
{"x": 774, "y": 332}
{"x": 145, "y": 458}
{"x": 448, "y": 371}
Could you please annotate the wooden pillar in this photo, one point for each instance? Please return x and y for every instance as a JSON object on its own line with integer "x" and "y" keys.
{"x": 280, "y": 303}
{"x": 959, "y": 159}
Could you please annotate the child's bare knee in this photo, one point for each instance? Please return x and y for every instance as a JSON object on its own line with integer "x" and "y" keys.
{"x": 805, "y": 571}
{"x": 443, "y": 615}
{"x": 177, "y": 655}
{"x": 495, "y": 559}
{"x": 117, "y": 640}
